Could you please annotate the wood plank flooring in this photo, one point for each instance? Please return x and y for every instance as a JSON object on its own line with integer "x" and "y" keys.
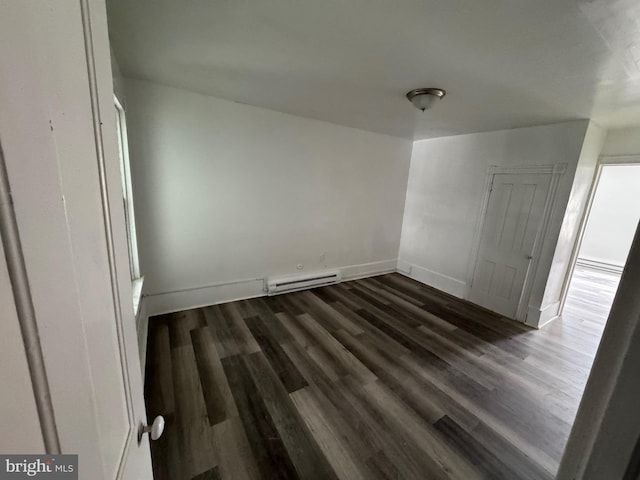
{"x": 590, "y": 296}
{"x": 380, "y": 378}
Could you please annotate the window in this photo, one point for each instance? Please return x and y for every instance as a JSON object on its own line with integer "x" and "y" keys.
{"x": 127, "y": 201}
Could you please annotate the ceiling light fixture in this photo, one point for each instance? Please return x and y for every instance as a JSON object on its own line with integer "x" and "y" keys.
{"x": 424, "y": 98}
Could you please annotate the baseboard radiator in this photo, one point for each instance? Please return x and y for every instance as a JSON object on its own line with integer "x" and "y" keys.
{"x": 278, "y": 285}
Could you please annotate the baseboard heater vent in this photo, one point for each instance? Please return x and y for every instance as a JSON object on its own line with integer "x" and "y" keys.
{"x": 279, "y": 285}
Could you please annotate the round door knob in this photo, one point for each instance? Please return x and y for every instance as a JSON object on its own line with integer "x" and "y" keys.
{"x": 155, "y": 429}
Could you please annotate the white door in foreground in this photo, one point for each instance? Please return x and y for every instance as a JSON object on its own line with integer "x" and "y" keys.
{"x": 60, "y": 150}
{"x": 512, "y": 222}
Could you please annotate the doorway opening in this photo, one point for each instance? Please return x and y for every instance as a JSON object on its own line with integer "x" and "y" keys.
{"x": 603, "y": 244}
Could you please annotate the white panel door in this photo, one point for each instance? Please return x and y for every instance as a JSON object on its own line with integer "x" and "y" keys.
{"x": 60, "y": 147}
{"x": 512, "y": 222}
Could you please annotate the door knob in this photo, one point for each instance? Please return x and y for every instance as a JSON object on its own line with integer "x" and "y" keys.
{"x": 155, "y": 429}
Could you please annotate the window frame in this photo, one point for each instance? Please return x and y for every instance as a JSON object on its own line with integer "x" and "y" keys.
{"x": 127, "y": 197}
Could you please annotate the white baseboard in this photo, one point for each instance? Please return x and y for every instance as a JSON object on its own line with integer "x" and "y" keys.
{"x": 186, "y": 299}
{"x": 447, "y": 284}
{"x": 354, "y": 272}
{"x": 547, "y": 321}
{"x": 598, "y": 265}
{"x": 404, "y": 267}
{"x": 539, "y": 317}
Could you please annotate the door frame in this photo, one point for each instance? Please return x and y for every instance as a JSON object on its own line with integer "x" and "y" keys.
{"x": 556, "y": 171}
{"x": 603, "y": 161}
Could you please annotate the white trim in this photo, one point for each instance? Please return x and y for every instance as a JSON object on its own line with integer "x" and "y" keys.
{"x": 618, "y": 159}
{"x": 556, "y": 171}
{"x": 598, "y": 265}
{"x": 527, "y": 169}
{"x": 202, "y": 296}
{"x": 136, "y": 288}
{"x": 188, "y": 298}
{"x": 142, "y": 320}
{"x": 545, "y": 322}
{"x": 539, "y": 317}
{"x": 212, "y": 285}
{"x": 445, "y": 283}
{"x": 477, "y": 233}
{"x": 580, "y": 235}
{"x": 125, "y": 167}
{"x": 404, "y": 267}
{"x": 543, "y": 231}
{"x": 354, "y": 272}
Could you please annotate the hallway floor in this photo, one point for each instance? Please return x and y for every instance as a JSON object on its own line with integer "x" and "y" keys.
{"x": 380, "y": 378}
{"x": 591, "y": 294}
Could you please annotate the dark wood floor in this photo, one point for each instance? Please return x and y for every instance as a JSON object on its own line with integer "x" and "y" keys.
{"x": 376, "y": 378}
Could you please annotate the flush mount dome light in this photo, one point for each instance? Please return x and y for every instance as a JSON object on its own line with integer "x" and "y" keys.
{"x": 424, "y": 98}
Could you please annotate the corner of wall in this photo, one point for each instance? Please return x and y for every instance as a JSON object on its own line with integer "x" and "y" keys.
{"x": 539, "y": 317}
{"x": 622, "y": 141}
{"x": 565, "y": 251}
{"x": 185, "y": 299}
{"x": 404, "y": 206}
{"x": 450, "y": 285}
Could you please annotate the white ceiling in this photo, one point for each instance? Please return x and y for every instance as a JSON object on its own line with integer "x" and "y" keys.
{"x": 504, "y": 64}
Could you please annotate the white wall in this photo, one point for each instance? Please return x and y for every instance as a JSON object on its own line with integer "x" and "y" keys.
{"x": 228, "y": 192}
{"x": 624, "y": 141}
{"x": 614, "y": 216}
{"x": 574, "y": 210}
{"x": 445, "y": 190}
